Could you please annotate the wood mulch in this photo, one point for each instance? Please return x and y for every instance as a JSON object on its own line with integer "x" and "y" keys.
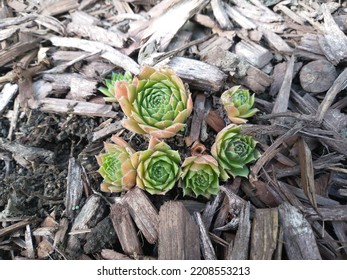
{"x": 54, "y": 54}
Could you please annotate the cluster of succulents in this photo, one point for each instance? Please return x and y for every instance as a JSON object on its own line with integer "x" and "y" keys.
{"x": 157, "y": 103}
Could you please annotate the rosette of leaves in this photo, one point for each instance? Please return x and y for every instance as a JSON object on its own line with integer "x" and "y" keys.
{"x": 200, "y": 176}
{"x": 155, "y": 103}
{"x": 116, "y": 167}
{"x": 238, "y": 104}
{"x": 110, "y": 83}
{"x": 233, "y": 152}
{"x": 158, "y": 168}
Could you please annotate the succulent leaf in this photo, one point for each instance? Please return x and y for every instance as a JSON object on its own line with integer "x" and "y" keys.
{"x": 116, "y": 167}
{"x": 156, "y": 103}
{"x": 238, "y": 104}
{"x": 200, "y": 176}
{"x": 234, "y": 151}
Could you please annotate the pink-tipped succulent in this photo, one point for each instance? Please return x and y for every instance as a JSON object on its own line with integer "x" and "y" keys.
{"x": 116, "y": 167}
{"x": 200, "y": 176}
{"x": 234, "y": 151}
{"x": 238, "y": 104}
{"x": 110, "y": 83}
{"x": 155, "y": 103}
{"x": 158, "y": 168}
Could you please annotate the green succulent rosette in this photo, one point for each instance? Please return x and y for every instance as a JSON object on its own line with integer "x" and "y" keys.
{"x": 109, "y": 90}
{"x": 233, "y": 152}
{"x": 200, "y": 176}
{"x": 116, "y": 167}
{"x": 155, "y": 103}
{"x": 158, "y": 168}
{"x": 238, "y": 104}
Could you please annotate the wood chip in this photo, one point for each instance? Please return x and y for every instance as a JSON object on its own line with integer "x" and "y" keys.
{"x": 74, "y": 188}
{"x": 198, "y": 117}
{"x": 125, "y": 229}
{"x": 299, "y": 239}
{"x": 240, "y": 248}
{"x": 109, "y": 53}
{"x": 197, "y": 74}
{"x": 205, "y": 242}
{"x": 144, "y": 214}
{"x": 178, "y": 233}
{"x": 264, "y": 234}
{"x": 334, "y": 41}
{"x": 7, "y": 93}
{"x": 66, "y": 106}
{"x": 307, "y": 172}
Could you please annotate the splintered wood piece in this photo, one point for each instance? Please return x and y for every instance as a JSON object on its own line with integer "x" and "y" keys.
{"x": 205, "y": 241}
{"x": 74, "y": 187}
{"x": 107, "y": 52}
{"x": 307, "y": 172}
{"x": 83, "y": 108}
{"x": 16, "y": 50}
{"x": 197, "y": 74}
{"x": 240, "y": 246}
{"x": 198, "y": 117}
{"x": 240, "y": 19}
{"x": 30, "y": 253}
{"x": 255, "y": 54}
{"x": 109, "y": 254}
{"x": 339, "y": 85}
{"x": 58, "y": 7}
{"x": 7, "y": 93}
{"x": 334, "y": 41}
{"x": 61, "y": 233}
{"x": 91, "y": 213}
{"x": 12, "y": 228}
{"x": 160, "y": 32}
{"x": 220, "y": 14}
{"x": 27, "y": 153}
{"x": 264, "y": 234}
{"x": 100, "y": 237}
{"x": 98, "y": 34}
{"x": 112, "y": 128}
{"x": 282, "y": 99}
{"x": 144, "y": 213}
{"x": 125, "y": 229}
{"x": 298, "y": 236}
{"x": 341, "y": 233}
{"x": 9, "y": 21}
{"x": 276, "y": 42}
{"x": 330, "y": 213}
{"x": 211, "y": 209}
{"x": 215, "y": 121}
{"x": 178, "y": 233}
{"x": 238, "y": 68}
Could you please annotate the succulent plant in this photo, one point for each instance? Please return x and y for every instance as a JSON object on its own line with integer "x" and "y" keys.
{"x": 157, "y": 168}
{"x": 116, "y": 167}
{"x": 238, "y": 104}
{"x": 234, "y": 151}
{"x": 200, "y": 176}
{"x": 110, "y": 83}
{"x": 155, "y": 103}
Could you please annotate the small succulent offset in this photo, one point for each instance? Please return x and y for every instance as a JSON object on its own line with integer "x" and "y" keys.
{"x": 238, "y": 104}
{"x": 116, "y": 167}
{"x": 158, "y": 168}
{"x": 200, "y": 176}
{"x": 155, "y": 103}
{"x": 234, "y": 151}
{"x": 110, "y": 83}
